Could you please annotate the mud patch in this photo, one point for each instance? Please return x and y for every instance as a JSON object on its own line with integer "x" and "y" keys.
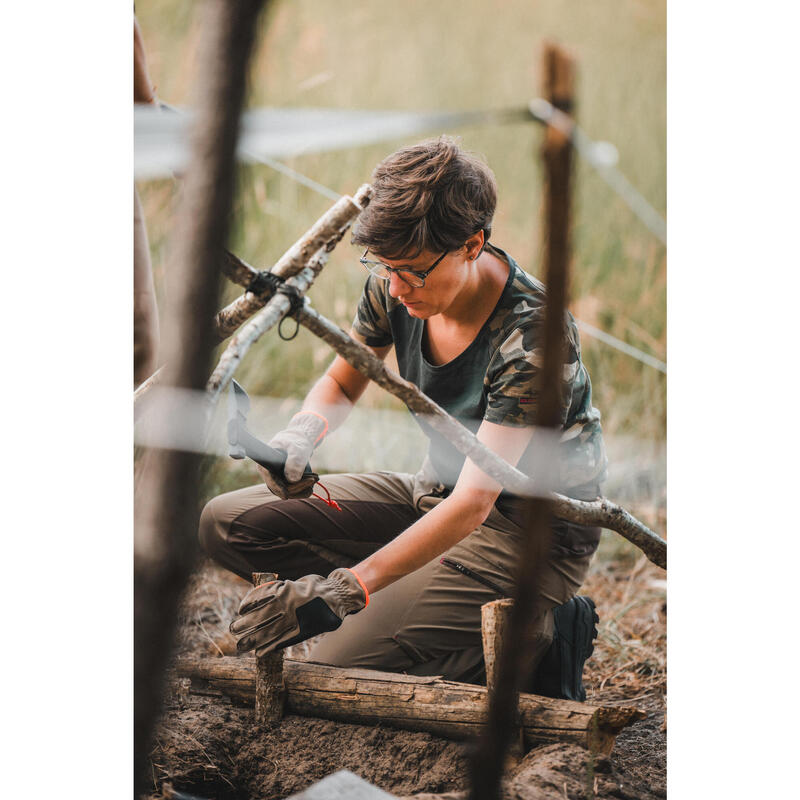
{"x": 208, "y": 747}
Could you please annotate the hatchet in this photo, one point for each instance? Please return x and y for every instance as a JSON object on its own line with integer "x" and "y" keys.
{"x": 244, "y": 445}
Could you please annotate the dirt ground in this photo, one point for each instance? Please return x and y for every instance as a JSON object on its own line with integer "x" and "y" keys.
{"x": 209, "y": 748}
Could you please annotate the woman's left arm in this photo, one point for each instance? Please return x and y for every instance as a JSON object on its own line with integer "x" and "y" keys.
{"x": 451, "y": 520}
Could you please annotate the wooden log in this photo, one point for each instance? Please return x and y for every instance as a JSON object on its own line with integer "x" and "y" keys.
{"x": 494, "y": 627}
{"x": 270, "y": 691}
{"x": 445, "y": 708}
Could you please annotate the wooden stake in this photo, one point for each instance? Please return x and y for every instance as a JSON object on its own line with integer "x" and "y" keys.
{"x": 494, "y": 627}
{"x": 270, "y": 691}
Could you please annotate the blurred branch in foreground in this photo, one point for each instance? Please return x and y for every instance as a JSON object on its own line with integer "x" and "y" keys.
{"x": 166, "y": 511}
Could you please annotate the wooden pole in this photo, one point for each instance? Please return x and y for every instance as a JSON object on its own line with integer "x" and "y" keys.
{"x": 518, "y": 659}
{"x": 165, "y": 525}
{"x": 270, "y": 691}
{"x": 450, "y": 709}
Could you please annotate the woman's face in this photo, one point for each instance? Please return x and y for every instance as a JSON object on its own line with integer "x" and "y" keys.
{"x": 441, "y": 287}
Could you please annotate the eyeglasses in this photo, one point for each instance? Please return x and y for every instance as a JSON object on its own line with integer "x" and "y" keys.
{"x": 416, "y": 280}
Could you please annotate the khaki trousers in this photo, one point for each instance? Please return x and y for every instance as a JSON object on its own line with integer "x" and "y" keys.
{"x": 427, "y": 623}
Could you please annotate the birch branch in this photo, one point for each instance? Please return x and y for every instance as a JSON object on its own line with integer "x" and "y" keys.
{"x": 145, "y": 385}
{"x": 600, "y": 512}
{"x": 319, "y": 241}
{"x": 270, "y": 315}
{"x": 324, "y": 235}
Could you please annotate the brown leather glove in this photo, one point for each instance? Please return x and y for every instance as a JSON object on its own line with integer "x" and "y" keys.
{"x": 305, "y": 431}
{"x": 278, "y": 614}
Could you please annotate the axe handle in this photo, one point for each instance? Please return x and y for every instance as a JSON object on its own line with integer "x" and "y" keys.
{"x": 269, "y": 458}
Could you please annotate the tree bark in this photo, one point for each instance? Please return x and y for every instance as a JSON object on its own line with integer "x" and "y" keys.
{"x": 517, "y": 656}
{"x": 494, "y": 634}
{"x": 445, "y": 708}
{"x": 166, "y": 517}
{"x": 270, "y": 691}
{"x": 319, "y": 241}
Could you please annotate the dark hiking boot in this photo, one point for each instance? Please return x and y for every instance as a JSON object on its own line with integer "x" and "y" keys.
{"x": 560, "y": 672}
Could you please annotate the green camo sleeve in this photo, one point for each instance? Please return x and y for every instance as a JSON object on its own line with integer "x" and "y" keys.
{"x": 512, "y": 396}
{"x": 371, "y": 321}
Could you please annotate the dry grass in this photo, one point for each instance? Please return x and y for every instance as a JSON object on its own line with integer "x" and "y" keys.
{"x": 629, "y": 663}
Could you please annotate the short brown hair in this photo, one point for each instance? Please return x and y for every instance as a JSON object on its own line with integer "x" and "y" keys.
{"x": 432, "y": 196}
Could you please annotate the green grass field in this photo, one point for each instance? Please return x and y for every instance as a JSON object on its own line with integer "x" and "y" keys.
{"x": 451, "y": 55}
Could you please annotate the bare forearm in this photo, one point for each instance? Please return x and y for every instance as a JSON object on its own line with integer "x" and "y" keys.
{"x": 433, "y": 534}
{"x": 327, "y": 398}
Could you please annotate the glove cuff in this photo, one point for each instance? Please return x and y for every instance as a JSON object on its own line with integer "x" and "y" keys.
{"x": 311, "y": 425}
{"x": 349, "y": 588}
{"x": 361, "y": 584}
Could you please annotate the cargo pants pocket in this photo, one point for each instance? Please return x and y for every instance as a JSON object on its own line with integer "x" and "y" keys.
{"x": 445, "y": 615}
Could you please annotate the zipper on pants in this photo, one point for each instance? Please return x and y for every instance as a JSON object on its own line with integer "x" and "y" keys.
{"x": 470, "y": 573}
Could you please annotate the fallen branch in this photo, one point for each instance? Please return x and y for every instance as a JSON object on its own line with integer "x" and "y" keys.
{"x": 445, "y": 708}
{"x": 600, "y": 512}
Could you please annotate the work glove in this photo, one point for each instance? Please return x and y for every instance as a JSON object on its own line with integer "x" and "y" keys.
{"x": 306, "y": 430}
{"x": 281, "y": 613}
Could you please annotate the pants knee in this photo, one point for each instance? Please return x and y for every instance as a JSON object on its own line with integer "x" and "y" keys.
{"x": 209, "y": 532}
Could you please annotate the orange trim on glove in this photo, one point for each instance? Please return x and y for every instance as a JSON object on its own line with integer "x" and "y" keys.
{"x": 361, "y": 584}
{"x": 325, "y": 430}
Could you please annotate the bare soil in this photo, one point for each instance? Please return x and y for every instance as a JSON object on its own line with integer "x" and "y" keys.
{"x": 209, "y": 748}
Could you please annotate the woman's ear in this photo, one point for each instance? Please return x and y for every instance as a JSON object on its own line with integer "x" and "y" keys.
{"x": 474, "y": 245}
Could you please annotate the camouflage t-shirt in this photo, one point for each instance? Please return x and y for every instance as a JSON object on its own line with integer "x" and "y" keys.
{"x": 493, "y": 378}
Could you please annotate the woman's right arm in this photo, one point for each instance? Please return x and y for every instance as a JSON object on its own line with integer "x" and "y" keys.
{"x": 337, "y": 391}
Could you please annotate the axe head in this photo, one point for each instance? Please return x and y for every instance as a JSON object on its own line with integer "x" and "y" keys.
{"x": 238, "y": 406}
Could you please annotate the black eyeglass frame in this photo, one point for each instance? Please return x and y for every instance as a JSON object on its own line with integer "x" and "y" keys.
{"x": 371, "y": 265}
